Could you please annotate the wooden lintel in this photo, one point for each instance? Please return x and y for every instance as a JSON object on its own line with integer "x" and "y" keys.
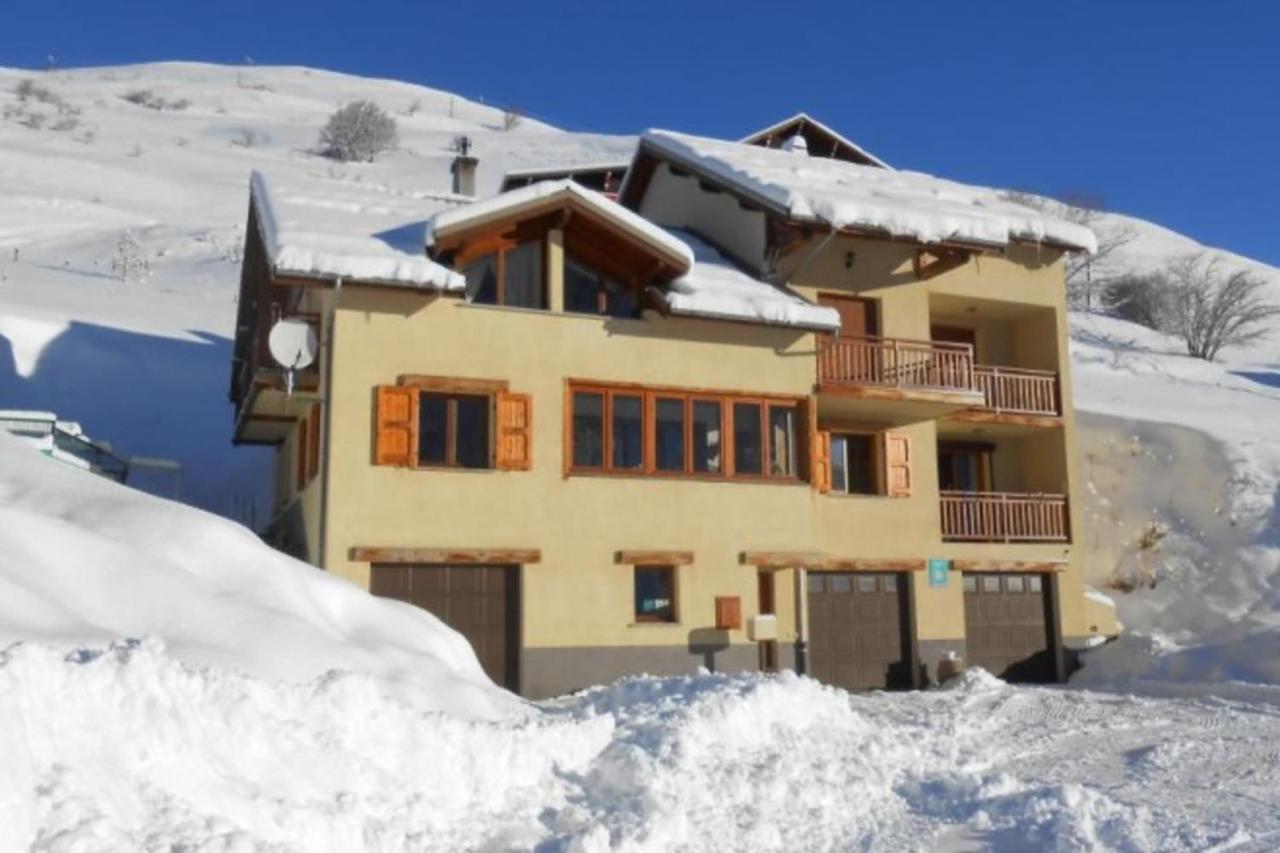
{"x": 1026, "y": 566}
{"x": 855, "y": 564}
{"x": 780, "y": 559}
{"x": 653, "y": 558}
{"x": 446, "y": 556}
{"x": 453, "y": 384}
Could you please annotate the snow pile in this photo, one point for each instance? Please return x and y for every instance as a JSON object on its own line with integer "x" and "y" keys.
{"x": 343, "y": 231}
{"x": 848, "y": 195}
{"x": 715, "y": 287}
{"x": 86, "y": 561}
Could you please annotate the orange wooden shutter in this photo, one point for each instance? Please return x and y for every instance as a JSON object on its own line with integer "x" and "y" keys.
{"x": 818, "y": 449}
{"x": 897, "y": 464}
{"x": 514, "y": 447}
{"x": 313, "y": 443}
{"x": 396, "y": 438}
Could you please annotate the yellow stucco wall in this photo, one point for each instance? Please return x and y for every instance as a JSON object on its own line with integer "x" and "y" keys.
{"x": 577, "y": 595}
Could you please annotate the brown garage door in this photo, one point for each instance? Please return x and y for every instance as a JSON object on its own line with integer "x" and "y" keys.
{"x": 858, "y": 630}
{"x": 1007, "y": 618}
{"x": 482, "y": 603}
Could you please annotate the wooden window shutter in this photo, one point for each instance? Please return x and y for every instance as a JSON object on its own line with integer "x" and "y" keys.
{"x": 313, "y": 443}
{"x": 897, "y": 464}
{"x": 816, "y": 447}
{"x": 514, "y": 446}
{"x": 396, "y": 436}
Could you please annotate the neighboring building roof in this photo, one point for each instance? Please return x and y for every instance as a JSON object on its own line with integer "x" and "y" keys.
{"x": 717, "y": 289}
{"x": 593, "y": 175}
{"x": 548, "y": 195}
{"x": 821, "y": 139}
{"x": 331, "y": 229}
{"x": 848, "y": 196}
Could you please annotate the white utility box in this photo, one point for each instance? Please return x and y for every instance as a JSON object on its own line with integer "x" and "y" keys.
{"x": 762, "y": 627}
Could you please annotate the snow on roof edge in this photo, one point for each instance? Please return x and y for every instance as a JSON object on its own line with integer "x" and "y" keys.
{"x": 423, "y": 272}
{"x": 569, "y": 167}
{"x": 1036, "y": 228}
{"x": 528, "y": 196}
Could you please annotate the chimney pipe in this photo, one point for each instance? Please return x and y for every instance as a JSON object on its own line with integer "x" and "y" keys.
{"x": 464, "y": 168}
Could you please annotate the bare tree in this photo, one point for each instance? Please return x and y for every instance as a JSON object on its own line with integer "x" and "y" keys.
{"x": 1087, "y": 276}
{"x": 1142, "y": 299}
{"x": 1212, "y": 306}
{"x": 359, "y": 131}
{"x": 511, "y": 118}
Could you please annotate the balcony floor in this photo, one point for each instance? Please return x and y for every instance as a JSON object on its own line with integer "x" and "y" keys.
{"x": 892, "y": 404}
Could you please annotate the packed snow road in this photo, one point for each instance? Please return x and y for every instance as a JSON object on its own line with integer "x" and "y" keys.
{"x": 133, "y": 750}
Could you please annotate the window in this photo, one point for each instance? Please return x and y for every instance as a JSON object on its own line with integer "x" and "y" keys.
{"x": 866, "y": 583}
{"x": 706, "y": 436}
{"x": 990, "y": 583}
{"x": 655, "y": 594}
{"x": 669, "y": 432}
{"x": 964, "y": 467}
{"x": 1013, "y": 583}
{"x": 588, "y": 430}
{"x": 511, "y": 276}
{"x": 588, "y": 292}
{"x": 747, "y": 438}
{"x": 853, "y": 464}
{"x": 628, "y": 431}
{"x": 453, "y": 430}
{"x": 970, "y": 583}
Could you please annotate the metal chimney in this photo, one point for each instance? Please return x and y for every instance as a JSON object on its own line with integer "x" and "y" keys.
{"x": 464, "y": 168}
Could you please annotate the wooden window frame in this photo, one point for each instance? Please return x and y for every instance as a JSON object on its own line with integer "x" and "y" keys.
{"x": 877, "y": 462}
{"x": 451, "y": 429}
{"x": 602, "y": 294}
{"x": 638, "y": 618}
{"x": 688, "y": 396}
{"x": 498, "y": 249}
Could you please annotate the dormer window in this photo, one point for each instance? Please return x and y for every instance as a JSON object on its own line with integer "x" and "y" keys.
{"x": 509, "y": 276}
{"x": 587, "y": 291}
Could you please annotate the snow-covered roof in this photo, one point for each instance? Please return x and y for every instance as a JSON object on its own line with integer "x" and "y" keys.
{"x": 365, "y": 232}
{"x": 803, "y": 119}
{"x": 846, "y": 195}
{"x": 717, "y": 289}
{"x": 548, "y": 194}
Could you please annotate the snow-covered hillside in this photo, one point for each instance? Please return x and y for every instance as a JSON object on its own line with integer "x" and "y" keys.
{"x": 173, "y": 684}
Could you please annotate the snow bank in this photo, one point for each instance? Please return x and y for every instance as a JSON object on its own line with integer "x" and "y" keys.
{"x": 349, "y": 231}
{"x": 848, "y": 195}
{"x": 84, "y": 561}
{"x": 717, "y": 288}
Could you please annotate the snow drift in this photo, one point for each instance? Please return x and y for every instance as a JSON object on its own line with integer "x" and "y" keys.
{"x": 84, "y": 561}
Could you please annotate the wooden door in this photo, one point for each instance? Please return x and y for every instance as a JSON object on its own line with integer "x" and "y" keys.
{"x": 859, "y": 318}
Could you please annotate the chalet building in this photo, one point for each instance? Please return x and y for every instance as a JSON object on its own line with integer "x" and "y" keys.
{"x": 777, "y": 406}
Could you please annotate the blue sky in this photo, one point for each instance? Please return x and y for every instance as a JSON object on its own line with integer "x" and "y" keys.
{"x": 1169, "y": 110}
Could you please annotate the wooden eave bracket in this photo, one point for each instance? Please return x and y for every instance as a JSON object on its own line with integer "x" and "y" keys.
{"x": 932, "y": 262}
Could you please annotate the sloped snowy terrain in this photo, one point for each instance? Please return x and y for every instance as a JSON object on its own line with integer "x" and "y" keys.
{"x": 170, "y": 683}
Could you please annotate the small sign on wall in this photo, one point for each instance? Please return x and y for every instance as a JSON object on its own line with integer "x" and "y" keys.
{"x": 938, "y": 571}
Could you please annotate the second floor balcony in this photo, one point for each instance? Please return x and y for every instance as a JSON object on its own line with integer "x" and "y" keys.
{"x": 1015, "y": 390}
{"x": 900, "y": 363}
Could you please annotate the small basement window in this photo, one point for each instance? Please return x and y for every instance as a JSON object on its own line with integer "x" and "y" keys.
{"x": 655, "y": 594}
{"x": 453, "y": 430}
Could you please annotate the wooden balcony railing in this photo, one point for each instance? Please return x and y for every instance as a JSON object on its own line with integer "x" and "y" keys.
{"x": 896, "y": 363}
{"x": 1004, "y": 517}
{"x": 1018, "y": 391}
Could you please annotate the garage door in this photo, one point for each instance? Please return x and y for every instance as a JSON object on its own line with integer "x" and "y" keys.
{"x": 1007, "y": 619}
{"x": 858, "y": 630}
{"x": 482, "y": 603}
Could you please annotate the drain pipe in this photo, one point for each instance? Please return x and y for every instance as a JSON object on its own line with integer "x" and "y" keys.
{"x": 802, "y": 620}
{"x": 326, "y": 400}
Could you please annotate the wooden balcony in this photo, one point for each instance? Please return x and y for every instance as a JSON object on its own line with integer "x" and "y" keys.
{"x": 896, "y": 363}
{"x": 1004, "y": 517}
{"x": 1014, "y": 390}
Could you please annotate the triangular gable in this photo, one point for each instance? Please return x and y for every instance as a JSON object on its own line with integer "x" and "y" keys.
{"x": 821, "y": 140}
{"x": 587, "y": 217}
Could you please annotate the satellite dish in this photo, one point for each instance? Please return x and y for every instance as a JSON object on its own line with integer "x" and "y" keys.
{"x": 292, "y": 344}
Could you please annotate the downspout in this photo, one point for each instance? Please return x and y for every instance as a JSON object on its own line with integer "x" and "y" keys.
{"x": 327, "y": 400}
{"x": 801, "y": 576}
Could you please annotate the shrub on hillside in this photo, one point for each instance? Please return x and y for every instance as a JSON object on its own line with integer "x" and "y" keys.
{"x": 152, "y": 101}
{"x": 1142, "y": 299}
{"x": 360, "y": 131}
